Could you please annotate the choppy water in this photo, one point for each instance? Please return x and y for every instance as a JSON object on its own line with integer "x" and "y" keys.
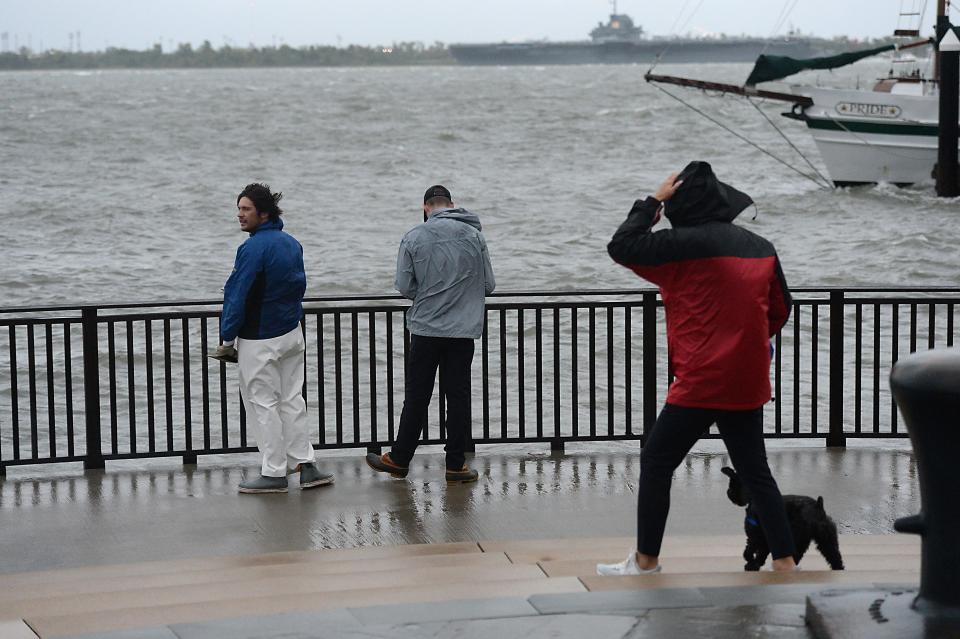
{"x": 121, "y": 185}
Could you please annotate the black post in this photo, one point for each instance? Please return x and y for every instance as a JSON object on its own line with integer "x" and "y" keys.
{"x": 835, "y": 436}
{"x": 649, "y": 364}
{"x": 91, "y": 388}
{"x": 470, "y": 446}
{"x": 926, "y": 387}
{"x": 949, "y": 57}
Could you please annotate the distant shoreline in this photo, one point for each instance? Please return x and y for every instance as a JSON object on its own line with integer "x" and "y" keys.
{"x": 207, "y": 57}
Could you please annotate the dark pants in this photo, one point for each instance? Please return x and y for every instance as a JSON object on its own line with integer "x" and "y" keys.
{"x": 677, "y": 429}
{"x": 454, "y": 356}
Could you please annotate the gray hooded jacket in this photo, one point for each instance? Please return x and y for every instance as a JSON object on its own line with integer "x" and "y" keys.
{"x": 444, "y": 267}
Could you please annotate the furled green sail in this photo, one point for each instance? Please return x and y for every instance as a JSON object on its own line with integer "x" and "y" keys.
{"x": 774, "y": 67}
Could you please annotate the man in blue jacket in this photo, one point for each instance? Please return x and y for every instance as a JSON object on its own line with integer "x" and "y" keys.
{"x": 262, "y": 309}
{"x": 444, "y": 267}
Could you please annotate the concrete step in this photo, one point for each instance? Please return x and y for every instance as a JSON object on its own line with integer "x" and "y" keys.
{"x": 16, "y": 629}
{"x": 254, "y": 573}
{"x": 606, "y": 554}
{"x": 761, "y": 578}
{"x": 236, "y": 561}
{"x": 50, "y": 625}
{"x": 605, "y": 549}
{"x": 215, "y": 593}
{"x": 97, "y": 599}
{"x": 586, "y": 566}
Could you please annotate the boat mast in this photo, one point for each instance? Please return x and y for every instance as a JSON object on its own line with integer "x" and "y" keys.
{"x": 948, "y": 67}
{"x": 941, "y": 14}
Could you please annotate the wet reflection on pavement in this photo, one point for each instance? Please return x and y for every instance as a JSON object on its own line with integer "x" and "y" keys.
{"x": 59, "y": 517}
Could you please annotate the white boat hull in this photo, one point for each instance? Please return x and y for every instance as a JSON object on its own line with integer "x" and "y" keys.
{"x": 868, "y": 136}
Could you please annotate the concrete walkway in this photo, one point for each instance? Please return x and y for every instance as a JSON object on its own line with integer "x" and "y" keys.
{"x": 59, "y": 517}
{"x": 515, "y": 588}
{"x": 765, "y": 612}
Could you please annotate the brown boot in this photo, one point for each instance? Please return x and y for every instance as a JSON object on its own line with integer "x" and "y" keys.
{"x": 462, "y": 476}
{"x": 383, "y": 464}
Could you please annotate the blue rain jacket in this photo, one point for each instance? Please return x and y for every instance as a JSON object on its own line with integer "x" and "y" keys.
{"x": 263, "y": 297}
{"x": 444, "y": 267}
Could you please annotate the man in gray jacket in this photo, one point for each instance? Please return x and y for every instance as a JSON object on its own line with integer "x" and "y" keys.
{"x": 444, "y": 267}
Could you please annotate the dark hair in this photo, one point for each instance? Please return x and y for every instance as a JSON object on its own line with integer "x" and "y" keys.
{"x": 263, "y": 200}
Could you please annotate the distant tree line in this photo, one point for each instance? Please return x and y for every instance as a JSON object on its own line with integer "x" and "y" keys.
{"x": 205, "y": 56}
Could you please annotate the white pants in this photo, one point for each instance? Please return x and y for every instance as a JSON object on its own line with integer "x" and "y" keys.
{"x": 271, "y": 381}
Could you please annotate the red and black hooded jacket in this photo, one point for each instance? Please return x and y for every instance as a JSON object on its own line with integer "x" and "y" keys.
{"x": 722, "y": 287}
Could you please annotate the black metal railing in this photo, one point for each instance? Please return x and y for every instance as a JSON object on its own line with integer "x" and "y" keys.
{"x": 119, "y": 381}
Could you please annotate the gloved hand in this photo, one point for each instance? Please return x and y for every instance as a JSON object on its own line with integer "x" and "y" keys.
{"x": 225, "y": 354}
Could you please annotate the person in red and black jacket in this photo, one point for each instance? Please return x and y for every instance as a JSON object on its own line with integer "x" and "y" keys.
{"x": 725, "y": 296}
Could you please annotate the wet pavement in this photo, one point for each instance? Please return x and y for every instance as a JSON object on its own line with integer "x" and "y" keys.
{"x": 505, "y": 618}
{"x": 763, "y": 612}
{"x": 57, "y": 517}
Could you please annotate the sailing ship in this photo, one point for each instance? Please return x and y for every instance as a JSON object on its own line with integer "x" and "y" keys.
{"x": 621, "y": 41}
{"x": 887, "y": 134}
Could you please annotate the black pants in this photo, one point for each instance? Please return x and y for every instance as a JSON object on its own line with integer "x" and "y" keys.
{"x": 677, "y": 429}
{"x": 454, "y": 356}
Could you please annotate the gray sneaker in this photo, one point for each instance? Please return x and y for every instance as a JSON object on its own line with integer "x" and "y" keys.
{"x": 310, "y": 476}
{"x": 263, "y": 484}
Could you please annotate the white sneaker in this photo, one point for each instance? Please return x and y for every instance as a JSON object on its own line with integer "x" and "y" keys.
{"x": 796, "y": 568}
{"x": 626, "y": 567}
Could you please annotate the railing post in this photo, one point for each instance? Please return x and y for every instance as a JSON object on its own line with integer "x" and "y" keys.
{"x": 469, "y": 445}
{"x": 835, "y": 436}
{"x": 91, "y": 388}
{"x": 649, "y": 364}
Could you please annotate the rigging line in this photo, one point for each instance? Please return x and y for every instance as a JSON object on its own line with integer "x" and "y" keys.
{"x": 692, "y": 14}
{"x": 738, "y": 135}
{"x": 676, "y": 21}
{"x": 663, "y": 52}
{"x": 788, "y": 141}
{"x": 673, "y": 32}
{"x": 903, "y": 7}
{"x": 784, "y": 15}
{"x": 776, "y": 22}
{"x": 789, "y": 13}
{"x": 920, "y": 10}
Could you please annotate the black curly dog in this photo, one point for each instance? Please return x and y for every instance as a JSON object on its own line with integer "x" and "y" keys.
{"x": 808, "y": 522}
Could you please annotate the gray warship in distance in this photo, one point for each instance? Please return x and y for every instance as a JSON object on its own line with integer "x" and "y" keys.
{"x": 620, "y": 41}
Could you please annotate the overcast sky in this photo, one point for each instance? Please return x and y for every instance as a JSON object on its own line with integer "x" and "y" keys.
{"x": 138, "y": 24}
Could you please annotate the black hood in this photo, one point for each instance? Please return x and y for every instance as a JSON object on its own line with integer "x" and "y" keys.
{"x": 703, "y": 198}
